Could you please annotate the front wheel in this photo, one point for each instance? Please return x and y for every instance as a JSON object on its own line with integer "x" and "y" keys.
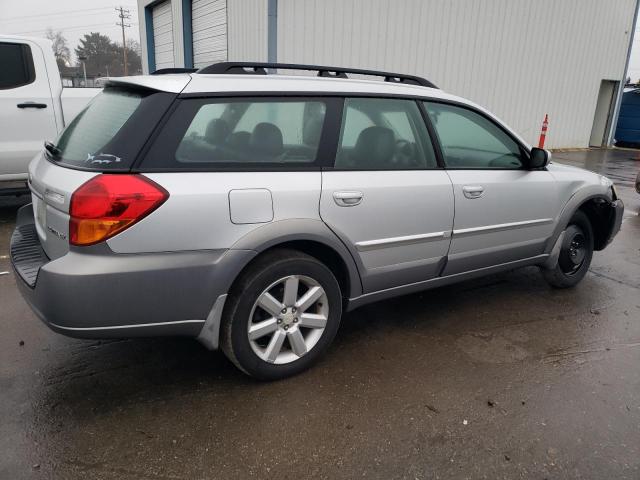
{"x": 281, "y": 315}
{"x": 575, "y": 256}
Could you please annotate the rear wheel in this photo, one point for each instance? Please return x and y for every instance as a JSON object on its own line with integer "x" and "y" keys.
{"x": 575, "y": 256}
{"x": 281, "y": 315}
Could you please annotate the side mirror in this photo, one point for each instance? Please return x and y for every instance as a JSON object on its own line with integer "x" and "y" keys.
{"x": 539, "y": 158}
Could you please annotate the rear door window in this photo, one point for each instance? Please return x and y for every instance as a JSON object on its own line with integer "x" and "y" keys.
{"x": 16, "y": 65}
{"x": 240, "y": 132}
{"x": 111, "y": 130}
{"x": 383, "y": 134}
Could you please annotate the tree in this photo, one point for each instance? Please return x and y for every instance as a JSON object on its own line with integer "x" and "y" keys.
{"x": 59, "y": 46}
{"x": 104, "y": 57}
{"x": 133, "y": 57}
{"x": 100, "y": 53}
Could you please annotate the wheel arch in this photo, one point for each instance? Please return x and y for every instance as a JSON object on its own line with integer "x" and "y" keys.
{"x": 312, "y": 237}
{"x": 597, "y": 206}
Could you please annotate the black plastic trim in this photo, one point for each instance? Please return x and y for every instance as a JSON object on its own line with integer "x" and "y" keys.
{"x": 168, "y": 71}
{"x": 262, "y": 68}
{"x": 27, "y": 255}
{"x": 432, "y": 134}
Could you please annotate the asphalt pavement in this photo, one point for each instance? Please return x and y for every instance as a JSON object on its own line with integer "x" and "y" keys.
{"x": 501, "y": 377}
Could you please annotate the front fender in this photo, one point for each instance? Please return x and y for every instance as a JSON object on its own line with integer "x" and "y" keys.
{"x": 579, "y": 198}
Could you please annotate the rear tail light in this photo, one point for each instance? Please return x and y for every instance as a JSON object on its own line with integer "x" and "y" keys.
{"x": 108, "y": 204}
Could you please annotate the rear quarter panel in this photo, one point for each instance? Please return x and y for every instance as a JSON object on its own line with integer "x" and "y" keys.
{"x": 197, "y": 214}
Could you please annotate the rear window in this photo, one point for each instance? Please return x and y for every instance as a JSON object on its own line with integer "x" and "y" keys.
{"x": 241, "y": 132}
{"x": 110, "y": 132}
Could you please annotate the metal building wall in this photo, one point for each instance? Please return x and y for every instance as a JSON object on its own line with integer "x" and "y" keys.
{"x": 519, "y": 58}
{"x": 209, "y": 31}
{"x": 247, "y": 35}
{"x": 163, "y": 35}
{"x": 145, "y": 10}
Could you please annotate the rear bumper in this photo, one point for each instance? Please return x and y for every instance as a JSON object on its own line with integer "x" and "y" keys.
{"x": 92, "y": 292}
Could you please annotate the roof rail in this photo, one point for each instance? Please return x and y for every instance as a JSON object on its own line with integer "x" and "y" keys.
{"x": 166, "y": 71}
{"x": 253, "y": 68}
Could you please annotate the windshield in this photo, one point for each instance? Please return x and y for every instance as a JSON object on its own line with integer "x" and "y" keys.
{"x": 111, "y": 130}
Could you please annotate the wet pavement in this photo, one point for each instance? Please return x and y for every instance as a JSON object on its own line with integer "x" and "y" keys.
{"x": 501, "y": 377}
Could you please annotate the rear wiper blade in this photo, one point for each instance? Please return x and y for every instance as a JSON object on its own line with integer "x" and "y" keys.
{"x": 53, "y": 150}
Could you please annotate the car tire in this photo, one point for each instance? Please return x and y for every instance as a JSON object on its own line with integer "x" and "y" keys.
{"x": 575, "y": 255}
{"x": 272, "y": 324}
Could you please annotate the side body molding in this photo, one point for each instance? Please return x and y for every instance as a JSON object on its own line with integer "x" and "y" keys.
{"x": 300, "y": 229}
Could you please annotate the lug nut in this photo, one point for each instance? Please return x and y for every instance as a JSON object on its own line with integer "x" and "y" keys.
{"x": 293, "y": 309}
{"x": 284, "y": 310}
{"x": 295, "y": 320}
{"x": 279, "y": 320}
{"x": 286, "y": 327}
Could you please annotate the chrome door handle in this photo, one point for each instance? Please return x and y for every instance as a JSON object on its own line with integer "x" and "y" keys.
{"x": 474, "y": 191}
{"x": 347, "y": 199}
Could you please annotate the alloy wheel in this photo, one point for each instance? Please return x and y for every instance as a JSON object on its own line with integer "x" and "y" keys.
{"x": 288, "y": 319}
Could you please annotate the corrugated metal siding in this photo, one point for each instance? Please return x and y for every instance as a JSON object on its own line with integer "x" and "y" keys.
{"x": 247, "y": 37}
{"x": 163, "y": 35}
{"x": 209, "y": 26}
{"x": 519, "y": 58}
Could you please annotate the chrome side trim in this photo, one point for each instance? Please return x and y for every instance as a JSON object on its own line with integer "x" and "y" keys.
{"x": 118, "y": 327}
{"x": 397, "y": 241}
{"x": 502, "y": 226}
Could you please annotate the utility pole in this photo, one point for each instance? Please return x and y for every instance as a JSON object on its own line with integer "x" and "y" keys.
{"x": 124, "y": 15}
{"x": 84, "y": 68}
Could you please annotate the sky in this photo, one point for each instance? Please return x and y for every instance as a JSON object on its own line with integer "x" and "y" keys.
{"x": 73, "y": 17}
{"x": 77, "y": 17}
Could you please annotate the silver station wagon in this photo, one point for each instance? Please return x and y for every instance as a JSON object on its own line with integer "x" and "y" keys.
{"x": 250, "y": 209}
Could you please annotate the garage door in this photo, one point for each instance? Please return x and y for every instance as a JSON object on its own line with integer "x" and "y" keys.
{"x": 163, "y": 35}
{"x": 209, "y": 25}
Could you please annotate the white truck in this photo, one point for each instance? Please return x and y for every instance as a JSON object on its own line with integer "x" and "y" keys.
{"x": 33, "y": 105}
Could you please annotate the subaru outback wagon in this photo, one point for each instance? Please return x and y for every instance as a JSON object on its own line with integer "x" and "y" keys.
{"x": 250, "y": 209}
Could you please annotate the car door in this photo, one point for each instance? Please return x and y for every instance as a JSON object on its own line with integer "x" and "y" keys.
{"x": 385, "y": 196}
{"x": 26, "y": 107}
{"x": 503, "y": 212}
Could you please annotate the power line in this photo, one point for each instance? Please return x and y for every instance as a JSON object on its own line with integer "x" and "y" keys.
{"x": 68, "y": 12}
{"x": 69, "y": 29}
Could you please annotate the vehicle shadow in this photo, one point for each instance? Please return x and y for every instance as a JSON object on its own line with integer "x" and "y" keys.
{"x": 87, "y": 377}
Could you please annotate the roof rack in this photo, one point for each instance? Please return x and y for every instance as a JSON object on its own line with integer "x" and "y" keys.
{"x": 167, "y": 71}
{"x": 252, "y": 68}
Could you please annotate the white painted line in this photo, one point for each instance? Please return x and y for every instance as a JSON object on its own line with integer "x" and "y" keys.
{"x": 4, "y": 257}
{"x": 4, "y": 273}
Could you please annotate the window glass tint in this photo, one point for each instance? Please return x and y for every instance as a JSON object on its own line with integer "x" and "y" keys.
{"x": 470, "y": 140}
{"x": 16, "y": 65}
{"x": 253, "y": 131}
{"x": 85, "y": 140}
{"x": 383, "y": 134}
